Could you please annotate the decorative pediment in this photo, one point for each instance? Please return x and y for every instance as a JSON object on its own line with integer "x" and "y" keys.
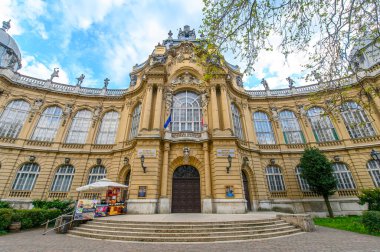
{"x": 186, "y": 78}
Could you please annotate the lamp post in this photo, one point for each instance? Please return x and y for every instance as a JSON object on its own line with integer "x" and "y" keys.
{"x": 229, "y": 158}
{"x": 142, "y": 158}
{"x": 375, "y": 155}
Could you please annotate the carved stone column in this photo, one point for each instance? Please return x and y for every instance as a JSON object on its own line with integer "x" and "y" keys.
{"x": 147, "y": 107}
{"x": 225, "y": 109}
{"x": 215, "y": 111}
{"x": 247, "y": 121}
{"x": 207, "y": 202}
{"x": 157, "y": 110}
{"x": 164, "y": 200}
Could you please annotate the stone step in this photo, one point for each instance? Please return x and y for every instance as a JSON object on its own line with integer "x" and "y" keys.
{"x": 184, "y": 230}
{"x": 191, "y": 225}
{"x": 229, "y": 237}
{"x": 171, "y": 234}
{"x": 260, "y": 221}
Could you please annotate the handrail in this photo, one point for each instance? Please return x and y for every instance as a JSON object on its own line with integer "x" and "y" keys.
{"x": 66, "y": 223}
{"x": 48, "y": 221}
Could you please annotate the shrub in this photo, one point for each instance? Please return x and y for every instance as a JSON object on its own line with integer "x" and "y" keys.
{"x": 4, "y": 204}
{"x": 371, "y": 197}
{"x": 64, "y": 206}
{"x": 371, "y": 221}
{"x": 5, "y": 218}
{"x": 34, "y": 217}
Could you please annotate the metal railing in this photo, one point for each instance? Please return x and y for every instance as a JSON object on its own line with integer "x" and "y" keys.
{"x": 48, "y": 221}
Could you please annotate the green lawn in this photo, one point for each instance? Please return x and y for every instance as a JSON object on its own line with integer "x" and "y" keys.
{"x": 348, "y": 223}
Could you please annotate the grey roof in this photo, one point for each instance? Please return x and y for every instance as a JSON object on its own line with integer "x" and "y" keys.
{"x": 8, "y": 41}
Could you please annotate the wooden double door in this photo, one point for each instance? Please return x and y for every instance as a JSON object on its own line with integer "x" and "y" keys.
{"x": 186, "y": 195}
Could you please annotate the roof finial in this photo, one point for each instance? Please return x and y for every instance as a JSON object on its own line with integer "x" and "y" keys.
{"x": 6, "y": 25}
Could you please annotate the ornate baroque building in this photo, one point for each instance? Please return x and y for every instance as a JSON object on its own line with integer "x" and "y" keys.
{"x": 226, "y": 149}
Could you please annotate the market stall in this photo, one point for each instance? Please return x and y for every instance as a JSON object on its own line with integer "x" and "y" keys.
{"x": 110, "y": 201}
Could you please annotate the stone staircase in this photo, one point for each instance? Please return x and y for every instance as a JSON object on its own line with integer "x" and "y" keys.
{"x": 184, "y": 231}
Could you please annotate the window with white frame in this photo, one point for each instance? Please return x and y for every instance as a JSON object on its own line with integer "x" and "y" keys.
{"x": 263, "y": 127}
{"x": 236, "y": 119}
{"x": 356, "y": 121}
{"x": 301, "y": 181}
{"x": 63, "y": 178}
{"x": 135, "y": 122}
{"x": 186, "y": 112}
{"x": 108, "y": 128}
{"x": 97, "y": 172}
{"x": 290, "y": 128}
{"x": 374, "y": 170}
{"x": 48, "y": 124}
{"x": 343, "y": 177}
{"x": 26, "y": 177}
{"x": 321, "y": 124}
{"x": 13, "y": 118}
{"x": 275, "y": 179}
{"x": 79, "y": 127}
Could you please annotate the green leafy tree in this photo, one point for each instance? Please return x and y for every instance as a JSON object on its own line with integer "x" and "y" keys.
{"x": 327, "y": 31}
{"x": 317, "y": 170}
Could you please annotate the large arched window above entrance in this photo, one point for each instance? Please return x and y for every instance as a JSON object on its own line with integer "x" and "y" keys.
{"x": 63, "y": 178}
{"x": 263, "y": 128}
{"x": 97, "y": 172}
{"x": 79, "y": 127}
{"x": 321, "y": 124}
{"x": 186, "y": 112}
{"x": 26, "y": 177}
{"x": 343, "y": 177}
{"x": 48, "y": 124}
{"x": 291, "y": 128}
{"x": 13, "y": 117}
{"x": 374, "y": 169}
{"x": 135, "y": 122}
{"x": 356, "y": 120}
{"x": 108, "y": 128}
{"x": 236, "y": 119}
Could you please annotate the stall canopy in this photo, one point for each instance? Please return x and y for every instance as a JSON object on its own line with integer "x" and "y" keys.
{"x": 100, "y": 185}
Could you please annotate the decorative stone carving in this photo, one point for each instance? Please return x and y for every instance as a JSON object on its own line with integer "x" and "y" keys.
{"x": 204, "y": 99}
{"x": 95, "y": 117}
{"x": 185, "y": 52}
{"x": 186, "y": 155}
{"x": 186, "y": 78}
{"x": 186, "y": 33}
{"x": 239, "y": 81}
{"x": 158, "y": 59}
{"x": 133, "y": 79}
{"x": 36, "y": 107}
{"x": 66, "y": 113}
{"x": 168, "y": 101}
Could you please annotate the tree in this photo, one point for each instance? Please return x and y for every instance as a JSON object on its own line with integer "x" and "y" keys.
{"x": 317, "y": 170}
{"x": 328, "y": 30}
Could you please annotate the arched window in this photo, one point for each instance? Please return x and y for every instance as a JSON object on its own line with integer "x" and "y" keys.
{"x": 108, "y": 128}
{"x": 374, "y": 169}
{"x": 63, "y": 178}
{"x": 79, "y": 127}
{"x": 96, "y": 173}
{"x": 135, "y": 122}
{"x": 13, "y": 118}
{"x": 275, "y": 179}
{"x": 26, "y": 177}
{"x": 263, "y": 128}
{"x": 343, "y": 176}
{"x": 356, "y": 120}
{"x": 301, "y": 181}
{"x": 48, "y": 124}
{"x": 291, "y": 128}
{"x": 238, "y": 129}
{"x": 186, "y": 112}
{"x": 321, "y": 124}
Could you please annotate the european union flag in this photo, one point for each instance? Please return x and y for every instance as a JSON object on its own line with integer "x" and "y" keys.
{"x": 168, "y": 121}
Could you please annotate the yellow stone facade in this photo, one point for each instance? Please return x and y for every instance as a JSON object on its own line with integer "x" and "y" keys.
{"x": 168, "y": 71}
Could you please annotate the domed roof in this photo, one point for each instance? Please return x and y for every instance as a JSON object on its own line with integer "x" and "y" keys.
{"x": 10, "y": 55}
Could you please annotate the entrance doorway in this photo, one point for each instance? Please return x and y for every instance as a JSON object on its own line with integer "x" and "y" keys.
{"x": 246, "y": 191}
{"x": 186, "y": 193}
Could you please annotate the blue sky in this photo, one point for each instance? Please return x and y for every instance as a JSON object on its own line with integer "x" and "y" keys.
{"x": 105, "y": 38}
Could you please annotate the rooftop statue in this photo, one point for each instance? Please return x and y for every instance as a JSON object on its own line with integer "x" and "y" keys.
{"x": 80, "y": 79}
{"x": 6, "y": 25}
{"x": 291, "y": 82}
{"x": 54, "y": 74}
{"x": 106, "y": 82}
{"x": 186, "y": 33}
{"x": 265, "y": 84}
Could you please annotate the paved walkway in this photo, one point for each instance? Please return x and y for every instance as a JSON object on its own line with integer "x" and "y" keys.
{"x": 188, "y": 217}
{"x": 324, "y": 239}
